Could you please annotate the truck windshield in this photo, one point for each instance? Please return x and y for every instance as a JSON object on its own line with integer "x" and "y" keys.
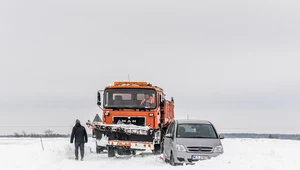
{"x": 129, "y": 98}
{"x": 196, "y": 131}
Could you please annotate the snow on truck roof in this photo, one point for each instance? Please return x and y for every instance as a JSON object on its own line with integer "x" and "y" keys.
{"x": 142, "y": 83}
{"x": 130, "y": 84}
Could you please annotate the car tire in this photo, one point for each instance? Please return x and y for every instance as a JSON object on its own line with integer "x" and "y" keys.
{"x": 162, "y": 147}
{"x": 172, "y": 160}
{"x": 165, "y": 157}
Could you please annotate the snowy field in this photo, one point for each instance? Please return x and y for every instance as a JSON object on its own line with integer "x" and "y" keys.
{"x": 240, "y": 154}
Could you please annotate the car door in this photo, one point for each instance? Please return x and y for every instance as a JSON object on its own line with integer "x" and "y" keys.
{"x": 168, "y": 141}
{"x": 172, "y": 139}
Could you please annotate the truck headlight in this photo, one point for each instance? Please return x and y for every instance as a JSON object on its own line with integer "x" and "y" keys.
{"x": 180, "y": 148}
{"x": 218, "y": 149}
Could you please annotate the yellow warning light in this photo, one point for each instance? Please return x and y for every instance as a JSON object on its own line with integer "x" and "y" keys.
{"x": 141, "y": 83}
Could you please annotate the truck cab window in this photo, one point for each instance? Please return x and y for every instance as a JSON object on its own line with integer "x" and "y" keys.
{"x": 130, "y": 98}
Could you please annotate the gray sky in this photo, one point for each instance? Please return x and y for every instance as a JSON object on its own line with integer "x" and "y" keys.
{"x": 232, "y": 62}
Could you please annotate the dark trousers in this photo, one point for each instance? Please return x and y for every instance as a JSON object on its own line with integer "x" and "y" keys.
{"x": 81, "y": 146}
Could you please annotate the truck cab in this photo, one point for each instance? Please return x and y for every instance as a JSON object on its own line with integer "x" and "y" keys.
{"x": 140, "y": 109}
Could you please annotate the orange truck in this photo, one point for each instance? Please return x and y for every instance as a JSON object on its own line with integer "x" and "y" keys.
{"x": 135, "y": 116}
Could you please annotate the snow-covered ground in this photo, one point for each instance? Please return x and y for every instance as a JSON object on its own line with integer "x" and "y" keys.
{"x": 240, "y": 154}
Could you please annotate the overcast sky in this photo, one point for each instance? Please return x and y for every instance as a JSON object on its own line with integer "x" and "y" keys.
{"x": 235, "y": 63}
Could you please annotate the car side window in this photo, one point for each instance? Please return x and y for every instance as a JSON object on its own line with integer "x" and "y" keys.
{"x": 169, "y": 131}
{"x": 173, "y": 130}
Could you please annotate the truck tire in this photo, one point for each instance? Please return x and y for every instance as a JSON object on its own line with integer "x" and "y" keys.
{"x": 157, "y": 149}
{"x": 111, "y": 151}
{"x": 123, "y": 151}
{"x": 99, "y": 149}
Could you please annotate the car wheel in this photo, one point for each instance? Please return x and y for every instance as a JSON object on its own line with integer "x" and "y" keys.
{"x": 162, "y": 147}
{"x": 165, "y": 157}
{"x": 172, "y": 160}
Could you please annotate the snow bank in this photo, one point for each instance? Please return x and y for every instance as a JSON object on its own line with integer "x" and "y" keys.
{"x": 245, "y": 154}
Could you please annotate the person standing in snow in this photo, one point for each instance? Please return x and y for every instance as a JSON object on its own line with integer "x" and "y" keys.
{"x": 80, "y": 135}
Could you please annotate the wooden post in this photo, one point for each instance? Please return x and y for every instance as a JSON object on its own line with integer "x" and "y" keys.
{"x": 42, "y": 143}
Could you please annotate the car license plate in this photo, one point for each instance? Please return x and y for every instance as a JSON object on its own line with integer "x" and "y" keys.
{"x": 199, "y": 157}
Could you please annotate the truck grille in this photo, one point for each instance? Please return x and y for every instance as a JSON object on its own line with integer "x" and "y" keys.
{"x": 199, "y": 149}
{"x": 139, "y": 121}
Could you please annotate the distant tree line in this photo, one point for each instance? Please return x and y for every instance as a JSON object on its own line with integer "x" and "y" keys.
{"x": 47, "y": 134}
{"x": 272, "y": 136}
{"x": 257, "y": 135}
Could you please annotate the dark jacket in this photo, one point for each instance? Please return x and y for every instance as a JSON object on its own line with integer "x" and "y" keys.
{"x": 79, "y": 133}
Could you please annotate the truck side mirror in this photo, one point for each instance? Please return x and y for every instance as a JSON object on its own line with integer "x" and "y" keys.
{"x": 162, "y": 101}
{"x": 98, "y": 98}
{"x": 221, "y": 136}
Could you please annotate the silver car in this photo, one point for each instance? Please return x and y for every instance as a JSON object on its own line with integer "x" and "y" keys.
{"x": 188, "y": 141}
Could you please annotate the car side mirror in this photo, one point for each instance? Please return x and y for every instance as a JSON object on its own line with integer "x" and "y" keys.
{"x": 221, "y": 136}
{"x": 168, "y": 135}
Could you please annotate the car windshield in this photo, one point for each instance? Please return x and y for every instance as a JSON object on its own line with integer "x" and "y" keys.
{"x": 129, "y": 98}
{"x": 196, "y": 131}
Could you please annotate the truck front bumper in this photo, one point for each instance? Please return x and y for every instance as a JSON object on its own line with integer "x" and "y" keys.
{"x": 134, "y": 145}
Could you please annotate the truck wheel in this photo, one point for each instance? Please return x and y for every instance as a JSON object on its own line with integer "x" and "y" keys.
{"x": 110, "y": 151}
{"x": 123, "y": 151}
{"x": 99, "y": 149}
{"x": 157, "y": 149}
